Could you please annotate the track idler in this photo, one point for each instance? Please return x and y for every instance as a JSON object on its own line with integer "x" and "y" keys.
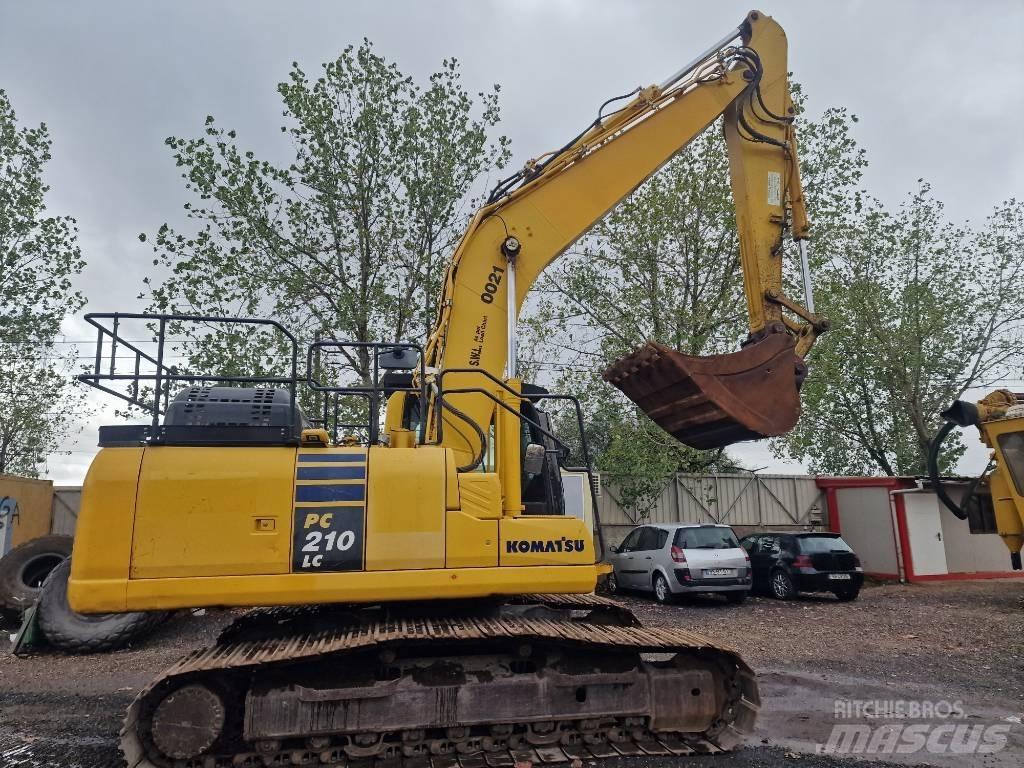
{"x": 711, "y": 402}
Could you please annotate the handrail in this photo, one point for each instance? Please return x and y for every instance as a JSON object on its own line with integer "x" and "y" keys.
{"x": 584, "y": 446}
{"x": 372, "y": 393}
{"x": 163, "y": 374}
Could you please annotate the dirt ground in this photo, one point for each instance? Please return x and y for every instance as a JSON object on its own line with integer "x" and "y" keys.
{"x": 944, "y": 642}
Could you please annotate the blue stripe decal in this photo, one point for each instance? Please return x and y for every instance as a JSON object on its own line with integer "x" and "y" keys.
{"x": 331, "y": 473}
{"x": 339, "y": 457}
{"x": 329, "y": 492}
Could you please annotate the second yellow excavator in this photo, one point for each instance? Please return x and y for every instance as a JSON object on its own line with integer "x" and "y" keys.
{"x": 994, "y": 501}
{"x": 434, "y": 600}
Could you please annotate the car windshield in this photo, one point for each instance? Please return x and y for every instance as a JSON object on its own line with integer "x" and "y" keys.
{"x": 813, "y": 544}
{"x": 706, "y": 538}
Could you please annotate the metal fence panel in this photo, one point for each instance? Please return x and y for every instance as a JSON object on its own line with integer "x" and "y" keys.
{"x": 746, "y": 501}
{"x": 66, "y": 501}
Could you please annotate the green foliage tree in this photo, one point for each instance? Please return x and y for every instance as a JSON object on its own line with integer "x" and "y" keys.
{"x": 39, "y": 256}
{"x": 348, "y": 240}
{"x": 664, "y": 265}
{"x": 923, "y": 310}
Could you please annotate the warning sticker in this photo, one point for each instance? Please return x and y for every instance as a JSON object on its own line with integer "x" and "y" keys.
{"x": 774, "y": 188}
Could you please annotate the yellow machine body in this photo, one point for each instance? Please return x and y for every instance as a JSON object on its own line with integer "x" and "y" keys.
{"x": 1006, "y": 482}
{"x": 181, "y": 526}
{"x": 999, "y": 418}
{"x": 229, "y": 498}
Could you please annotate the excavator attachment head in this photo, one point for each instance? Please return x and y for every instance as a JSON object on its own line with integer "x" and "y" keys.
{"x": 715, "y": 401}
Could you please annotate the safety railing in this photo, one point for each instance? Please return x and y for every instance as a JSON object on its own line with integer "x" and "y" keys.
{"x": 440, "y": 405}
{"x": 382, "y": 356}
{"x": 120, "y": 359}
{"x": 108, "y": 329}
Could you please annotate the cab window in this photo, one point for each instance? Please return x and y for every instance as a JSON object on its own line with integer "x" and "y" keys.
{"x": 1012, "y": 447}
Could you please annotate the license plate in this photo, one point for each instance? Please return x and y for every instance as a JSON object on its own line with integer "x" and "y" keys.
{"x": 840, "y": 576}
{"x": 718, "y": 572}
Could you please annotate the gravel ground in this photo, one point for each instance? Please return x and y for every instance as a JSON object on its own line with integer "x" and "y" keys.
{"x": 967, "y": 635}
{"x": 944, "y": 641}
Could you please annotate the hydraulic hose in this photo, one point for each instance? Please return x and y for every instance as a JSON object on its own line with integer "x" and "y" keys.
{"x": 480, "y": 433}
{"x": 958, "y": 510}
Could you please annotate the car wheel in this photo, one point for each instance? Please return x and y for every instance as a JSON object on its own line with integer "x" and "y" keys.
{"x": 612, "y": 584}
{"x": 782, "y": 585}
{"x": 847, "y": 594}
{"x": 662, "y": 593}
{"x": 735, "y": 598}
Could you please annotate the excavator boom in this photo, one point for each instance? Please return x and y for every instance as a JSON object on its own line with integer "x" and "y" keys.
{"x": 534, "y": 216}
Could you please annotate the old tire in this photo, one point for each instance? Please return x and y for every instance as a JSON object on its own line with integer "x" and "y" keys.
{"x": 87, "y": 633}
{"x": 24, "y": 569}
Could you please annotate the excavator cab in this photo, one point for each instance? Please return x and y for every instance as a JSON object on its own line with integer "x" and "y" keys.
{"x": 711, "y": 402}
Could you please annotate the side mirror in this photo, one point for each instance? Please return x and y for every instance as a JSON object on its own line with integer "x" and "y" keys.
{"x": 533, "y": 459}
{"x": 614, "y": 549}
{"x": 397, "y": 359}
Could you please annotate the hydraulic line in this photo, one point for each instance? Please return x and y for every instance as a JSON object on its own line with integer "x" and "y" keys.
{"x": 934, "y": 448}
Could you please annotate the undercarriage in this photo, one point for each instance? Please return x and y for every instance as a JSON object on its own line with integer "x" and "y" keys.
{"x": 543, "y": 679}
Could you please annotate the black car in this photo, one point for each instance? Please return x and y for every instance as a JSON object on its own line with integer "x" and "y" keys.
{"x": 786, "y": 563}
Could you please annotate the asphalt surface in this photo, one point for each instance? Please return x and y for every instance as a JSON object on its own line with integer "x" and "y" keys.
{"x": 947, "y": 642}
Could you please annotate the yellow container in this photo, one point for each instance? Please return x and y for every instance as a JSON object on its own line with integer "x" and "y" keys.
{"x": 26, "y": 509}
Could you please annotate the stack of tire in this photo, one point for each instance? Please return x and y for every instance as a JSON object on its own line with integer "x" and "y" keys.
{"x": 37, "y": 572}
{"x": 24, "y": 569}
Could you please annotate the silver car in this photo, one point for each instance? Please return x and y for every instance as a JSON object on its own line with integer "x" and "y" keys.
{"x": 679, "y": 558}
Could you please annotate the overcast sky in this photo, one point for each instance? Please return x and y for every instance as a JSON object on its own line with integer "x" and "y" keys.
{"x": 937, "y": 85}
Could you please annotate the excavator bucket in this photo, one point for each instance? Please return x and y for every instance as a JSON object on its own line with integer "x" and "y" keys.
{"x": 715, "y": 401}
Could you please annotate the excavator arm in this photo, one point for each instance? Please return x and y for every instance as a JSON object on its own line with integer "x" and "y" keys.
{"x": 534, "y": 216}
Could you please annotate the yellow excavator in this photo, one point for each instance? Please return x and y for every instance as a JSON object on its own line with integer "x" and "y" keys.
{"x": 995, "y": 499}
{"x": 425, "y": 594}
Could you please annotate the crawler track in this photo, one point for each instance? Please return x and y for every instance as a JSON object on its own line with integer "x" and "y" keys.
{"x": 545, "y": 679}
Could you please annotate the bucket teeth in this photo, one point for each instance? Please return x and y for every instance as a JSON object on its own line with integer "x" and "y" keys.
{"x": 715, "y": 401}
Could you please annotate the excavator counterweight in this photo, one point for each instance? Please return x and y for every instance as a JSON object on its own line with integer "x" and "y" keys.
{"x": 711, "y": 402}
